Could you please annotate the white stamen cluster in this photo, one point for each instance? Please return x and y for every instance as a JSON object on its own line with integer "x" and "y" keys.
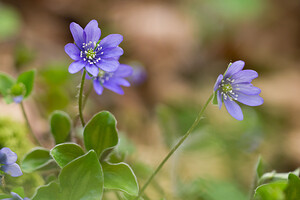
{"x": 104, "y": 77}
{"x": 227, "y": 90}
{"x": 90, "y": 52}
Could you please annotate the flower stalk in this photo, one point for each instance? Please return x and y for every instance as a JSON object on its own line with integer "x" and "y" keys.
{"x": 80, "y": 98}
{"x": 194, "y": 125}
{"x": 28, "y": 125}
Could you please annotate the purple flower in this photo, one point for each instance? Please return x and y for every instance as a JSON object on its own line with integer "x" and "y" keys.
{"x": 15, "y": 196}
{"x": 8, "y": 163}
{"x": 236, "y": 85}
{"x": 113, "y": 80}
{"x": 89, "y": 53}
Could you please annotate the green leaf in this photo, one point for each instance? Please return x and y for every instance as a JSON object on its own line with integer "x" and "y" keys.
{"x": 19, "y": 191}
{"x": 215, "y": 99}
{"x": 82, "y": 179}
{"x": 60, "y": 124}
{"x": 6, "y": 82}
{"x": 36, "y": 159}
{"x": 27, "y": 78}
{"x": 65, "y": 153}
{"x": 48, "y": 192}
{"x": 259, "y": 168}
{"x": 293, "y": 189}
{"x": 273, "y": 176}
{"x": 100, "y": 133}
{"x": 2, "y": 196}
{"x": 271, "y": 191}
{"x": 121, "y": 177}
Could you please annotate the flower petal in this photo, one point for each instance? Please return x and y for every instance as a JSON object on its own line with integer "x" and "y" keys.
{"x": 244, "y": 76}
{"x": 219, "y": 98}
{"x": 73, "y": 51}
{"x": 234, "y": 109}
{"x": 112, "y": 40}
{"x": 14, "y": 170}
{"x": 246, "y": 88}
{"x": 250, "y": 100}
{"x": 92, "y": 69}
{"x": 10, "y": 156}
{"x": 76, "y": 66}
{"x": 112, "y": 52}
{"x": 234, "y": 68}
{"x": 16, "y": 196}
{"x": 113, "y": 87}
{"x": 92, "y": 32}
{"x": 108, "y": 64}
{"x": 77, "y": 33}
{"x": 123, "y": 71}
{"x": 98, "y": 87}
{"x": 121, "y": 81}
{"x": 218, "y": 82}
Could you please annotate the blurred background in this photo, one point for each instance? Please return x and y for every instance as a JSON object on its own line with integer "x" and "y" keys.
{"x": 183, "y": 45}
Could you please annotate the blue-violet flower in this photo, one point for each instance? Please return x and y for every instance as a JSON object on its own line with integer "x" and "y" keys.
{"x": 8, "y": 163}
{"x": 15, "y": 196}
{"x": 113, "y": 80}
{"x": 235, "y": 85}
{"x": 89, "y": 53}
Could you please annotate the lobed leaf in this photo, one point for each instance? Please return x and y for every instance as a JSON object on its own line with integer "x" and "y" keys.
{"x": 121, "y": 177}
{"x": 65, "y": 153}
{"x": 36, "y": 159}
{"x": 82, "y": 179}
{"x": 100, "y": 133}
{"x": 48, "y": 192}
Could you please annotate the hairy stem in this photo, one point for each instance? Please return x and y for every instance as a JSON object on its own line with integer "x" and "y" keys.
{"x": 80, "y": 98}
{"x": 196, "y": 122}
{"x": 28, "y": 125}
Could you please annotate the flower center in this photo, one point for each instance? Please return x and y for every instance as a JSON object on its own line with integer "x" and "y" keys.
{"x": 104, "y": 76}
{"x": 227, "y": 90}
{"x": 227, "y": 87}
{"x": 91, "y": 52}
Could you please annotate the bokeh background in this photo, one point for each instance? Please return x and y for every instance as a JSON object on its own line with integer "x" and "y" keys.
{"x": 183, "y": 45}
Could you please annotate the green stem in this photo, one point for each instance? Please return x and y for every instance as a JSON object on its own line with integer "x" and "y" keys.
{"x": 28, "y": 125}
{"x": 196, "y": 122}
{"x": 80, "y": 98}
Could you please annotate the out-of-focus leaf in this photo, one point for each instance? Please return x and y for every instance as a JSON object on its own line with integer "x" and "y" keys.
{"x": 19, "y": 191}
{"x": 215, "y": 99}
{"x": 36, "y": 159}
{"x": 271, "y": 191}
{"x": 27, "y": 78}
{"x": 60, "y": 124}
{"x": 6, "y": 82}
{"x": 293, "y": 188}
{"x": 273, "y": 176}
{"x": 9, "y": 22}
{"x": 100, "y": 133}
{"x": 65, "y": 153}
{"x": 121, "y": 177}
{"x": 259, "y": 168}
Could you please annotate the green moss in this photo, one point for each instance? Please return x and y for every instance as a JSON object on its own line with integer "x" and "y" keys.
{"x": 14, "y": 136}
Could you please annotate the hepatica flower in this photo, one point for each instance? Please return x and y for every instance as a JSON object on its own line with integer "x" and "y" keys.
{"x": 91, "y": 54}
{"x": 113, "y": 80}
{"x": 235, "y": 86}
{"x": 8, "y": 163}
{"x": 15, "y": 196}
